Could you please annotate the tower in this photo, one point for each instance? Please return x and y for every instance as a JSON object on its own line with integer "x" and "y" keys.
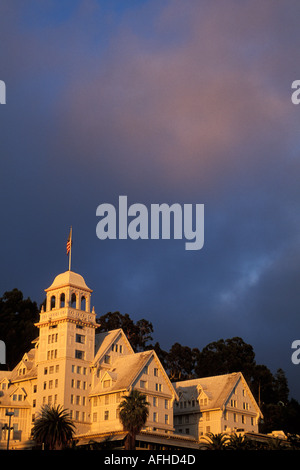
{"x": 66, "y": 347}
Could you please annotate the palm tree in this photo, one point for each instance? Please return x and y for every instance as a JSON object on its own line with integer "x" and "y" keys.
{"x": 53, "y": 427}
{"x": 216, "y": 441}
{"x": 133, "y": 414}
{"x": 238, "y": 442}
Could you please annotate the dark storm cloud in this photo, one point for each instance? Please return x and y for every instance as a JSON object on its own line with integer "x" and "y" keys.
{"x": 164, "y": 104}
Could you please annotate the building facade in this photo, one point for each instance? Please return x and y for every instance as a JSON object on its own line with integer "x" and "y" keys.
{"x": 88, "y": 373}
{"x": 85, "y": 372}
{"x": 219, "y": 404}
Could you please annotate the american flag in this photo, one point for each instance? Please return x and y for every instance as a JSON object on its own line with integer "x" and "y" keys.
{"x": 69, "y": 242}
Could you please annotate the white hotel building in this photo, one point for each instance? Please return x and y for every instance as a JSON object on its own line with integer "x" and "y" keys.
{"x": 88, "y": 373}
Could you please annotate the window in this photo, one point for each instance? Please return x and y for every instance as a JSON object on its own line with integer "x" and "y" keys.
{"x": 83, "y": 303}
{"x": 73, "y": 301}
{"x": 79, "y": 354}
{"x": 80, "y": 338}
{"x": 166, "y": 404}
{"x": 107, "y": 359}
{"x": 52, "y": 302}
{"x": 94, "y": 417}
{"x": 166, "y": 419}
{"x": 106, "y": 415}
{"x": 155, "y": 417}
{"x": 154, "y": 401}
{"x": 158, "y": 387}
{"x": 155, "y": 371}
{"x": 245, "y": 406}
{"x": 143, "y": 384}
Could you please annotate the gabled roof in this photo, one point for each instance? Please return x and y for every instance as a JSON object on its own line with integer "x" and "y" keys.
{"x": 104, "y": 340}
{"x": 27, "y": 362}
{"x": 217, "y": 388}
{"x": 125, "y": 369}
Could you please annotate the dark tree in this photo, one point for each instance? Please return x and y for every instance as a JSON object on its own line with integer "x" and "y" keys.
{"x": 138, "y": 334}
{"x": 226, "y": 356}
{"x": 17, "y": 318}
{"x": 180, "y": 362}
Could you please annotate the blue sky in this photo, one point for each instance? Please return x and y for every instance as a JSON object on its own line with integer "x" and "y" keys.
{"x": 165, "y": 102}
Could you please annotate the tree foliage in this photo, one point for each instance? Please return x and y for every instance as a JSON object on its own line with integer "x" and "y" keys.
{"x": 17, "y": 318}
{"x": 53, "y": 427}
{"x": 139, "y": 334}
{"x": 133, "y": 413}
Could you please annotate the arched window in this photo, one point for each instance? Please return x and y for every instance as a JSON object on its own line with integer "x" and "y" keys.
{"x": 73, "y": 301}
{"x": 52, "y": 302}
{"x": 62, "y": 300}
{"x": 83, "y": 303}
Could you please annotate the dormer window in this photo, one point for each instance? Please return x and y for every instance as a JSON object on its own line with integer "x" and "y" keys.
{"x": 107, "y": 359}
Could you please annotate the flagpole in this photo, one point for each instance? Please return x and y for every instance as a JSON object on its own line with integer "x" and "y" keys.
{"x": 70, "y": 253}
